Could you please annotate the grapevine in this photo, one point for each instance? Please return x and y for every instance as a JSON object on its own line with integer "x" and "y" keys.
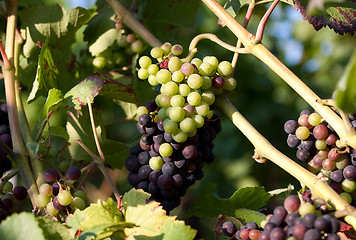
{"x": 114, "y": 126}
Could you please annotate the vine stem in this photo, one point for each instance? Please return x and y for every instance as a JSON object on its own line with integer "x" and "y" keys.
{"x": 267, "y": 150}
{"x": 261, "y": 52}
{"x": 9, "y": 79}
{"x": 262, "y": 24}
{"x": 130, "y": 21}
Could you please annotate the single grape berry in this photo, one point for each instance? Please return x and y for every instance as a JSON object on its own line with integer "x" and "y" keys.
{"x": 73, "y": 173}
{"x": 50, "y": 175}
{"x": 229, "y": 228}
{"x": 20, "y": 192}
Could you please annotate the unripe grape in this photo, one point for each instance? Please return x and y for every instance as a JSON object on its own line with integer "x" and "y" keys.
{"x": 64, "y": 197}
{"x": 81, "y": 194}
{"x": 77, "y": 203}
{"x": 170, "y": 126}
{"x": 51, "y": 209}
{"x": 156, "y": 52}
{"x": 152, "y": 80}
{"x": 130, "y": 38}
{"x": 163, "y": 100}
{"x": 166, "y": 47}
{"x": 199, "y": 120}
{"x": 141, "y": 110}
{"x": 314, "y": 119}
{"x": 46, "y": 189}
{"x": 156, "y": 163}
{"x": 7, "y": 187}
{"x": 169, "y": 88}
{"x": 184, "y": 89}
{"x": 187, "y": 125}
{"x": 176, "y": 114}
{"x": 302, "y": 133}
{"x": 163, "y": 76}
{"x": 177, "y": 76}
{"x": 189, "y": 110}
{"x": 142, "y": 73}
{"x": 224, "y": 68}
{"x": 202, "y": 109}
{"x": 177, "y": 49}
{"x": 137, "y": 46}
{"x": 153, "y": 69}
{"x": 208, "y": 97}
{"x": 205, "y": 69}
{"x": 213, "y": 61}
{"x": 230, "y": 84}
{"x": 177, "y": 101}
{"x": 180, "y": 136}
{"x": 162, "y": 114}
{"x": 42, "y": 200}
{"x": 195, "y": 81}
{"x": 187, "y": 69}
{"x": 194, "y": 98}
{"x": 197, "y": 62}
{"x": 165, "y": 150}
{"x": 348, "y": 186}
{"x": 99, "y": 62}
{"x": 174, "y": 64}
{"x": 305, "y": 208}
{"x": 121, "y": 42}
{"x": 145, "y": 62}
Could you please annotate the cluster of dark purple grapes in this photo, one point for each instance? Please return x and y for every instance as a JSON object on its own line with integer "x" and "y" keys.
{"x": 9, "y": 198}
{"x": 163, "y": 167}
{"x": 5, "y": 137}
{"x": 57, "y": 197}
{"x": 319, "y": 146}
{"x": 295, "y": 220}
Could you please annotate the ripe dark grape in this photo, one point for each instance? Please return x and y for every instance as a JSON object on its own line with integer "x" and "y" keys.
{"x": 293, "y": 141}
{"x": 218, "y": 82}
{"x": 50, "y": 175}
{"x": 336, "y": 175}
{"x": 144, "y": 172}
{"x": 144, "y": 120}
{"x": 349, "y": 172}
{"x": 143, "y": 185}
{"x": 312, "y": 234}
{"x": 280, "y": 212}
{"x": 151, "y": 105}
{"x": 20, "y": 192}
{"x": 168, "y": 168}
{"x": 165, "y": 181}
{"x": 308, "y": 220}
{"x": 290, "y": 126}
{"x": 133, "y": 179}
{"x": 278, "y": 234}
{"x": 303, "y": 155}
{"x": 190, "y": 151}
{"x": 7, "y": 204}
{"x": 73, "y": 173}
{"x": 57, "y": 205}
{"x": 132, "y": 164}
{"x": 292, "y": 203}
{"x": 320, "y": 132}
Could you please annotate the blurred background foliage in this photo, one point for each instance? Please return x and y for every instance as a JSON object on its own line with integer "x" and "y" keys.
{"x": 318, "y": 58}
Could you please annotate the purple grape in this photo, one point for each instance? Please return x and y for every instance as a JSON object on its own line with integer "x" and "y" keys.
{"x": 190, "y": 151}
{"x": 57, "y": 205}
{"x": 168, "y": 168}
{"x": 336, "y": 175}
{"x": 312, "y": 234}
{"x": 277, "y": 234}
{"x": 151, "y": 105}
{"x": 73, "y": 173}
{"x": 50, "y": 175}
{"x": 144, "y": 120}
{"x": 293, "y": 141}
{"x": 229, "y": 228}
{"x": 7, "y": 204}
{"x": 20, "y": 192}
{"x": 165, "y": 182}
{"x": 290, "y": 126}
{"x": 349, "y": 172}
{"x": 144, "y": 172}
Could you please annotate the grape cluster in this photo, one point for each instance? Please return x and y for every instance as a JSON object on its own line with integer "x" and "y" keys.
{"x": 5, "y": 137}
{"x": 119, "y": 54}
{"x": 57, "y": 197}
{"x": 10, "y": 195}
{"x": 295, "y": 220}
{"x": 318, "y": 145}
{"x": 164, "y": 165}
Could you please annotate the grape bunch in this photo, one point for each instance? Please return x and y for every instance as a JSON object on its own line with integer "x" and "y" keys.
{"x": 5, "y": 137}
{"x": 57, "y": 197}
{"x": 318, "y": 145}
{"x": 10, "y": 196}
{"x": 165, "y": 164}
{"x": 295, "y": 220}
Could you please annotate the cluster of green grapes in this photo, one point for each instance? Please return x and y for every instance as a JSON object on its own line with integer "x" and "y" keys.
{"x": 319, "y": 146}
{"x": 119, "y": 54}
{"x": 57, "y": 197}
{"x": 188, "y": 88}
{"x": 296, "y": 219}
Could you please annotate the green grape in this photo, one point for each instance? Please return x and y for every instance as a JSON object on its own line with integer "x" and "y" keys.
{"x": 81, "y": 194}
{"x": 184, "y": 89}
{"x": 152, "y": 80}
{"x": 195, "y": 81}
{"x": 169, "y": 88}
{"x": 174, "y": 64}
{"x": 348, "y": 186}
{"x": 77, "y": 203}
{"x": 208, "y": 97}
{"x": 121, "y": 42}
{"x": 210, "y": 114}
{"x": 199, "y": 120}
{"x": 165, "y": 150}
{"x": 137, "y": 46}
{"x": 162, "y": 114}
{"x": 170, "y": 126}
{"x": 99, "y": 62}
{"x": 346, "y": 196}
{"x": 187, "y": 69}
{"x": 207, "y": 82}
{"x": 202, "y": 109}
{"x": 314, "y": 119}
{"x": 51, "y": 210}
{"x": 342, "y": 161}
{"x": 163, "y": 100}
{"x": 189, "y": 110}
{"x": 42, "y": 200}
{"x": 145, "y": 62}
{"x": 187, "y": 125}
{"x": 180, "y": 136}
{"x": 306, "y": 207}
{"x": 143, "y": 73}
{"x": 141, "y": 110}
{"x": 230, "y": 84}
{"x": 153, "y": 69}
{"x": 205, "y": 69}
{"x": 46, "y": 190}
{"x": 177, "y": 101}
{"x": 177, "y": 76}
{"x": 156, "y": 163}
{"x": 320, "y": 144}
{"x": 176, "y": 114}
{"x": 7, "y": 187}
{"x": 192, "y": 133}
{"x": 302, "y": 133}
{"x": 118, "y": 58}
{"x": 166, "y": 47}
{"x": 177, "y": 49}
{"x": 194, "y": 98}
{"x": 218, "y": 91}
{"x": 156, "y": 52}
{"x": 196, "y": 61}
{"x": 64, "y": 165}
{"x": 64, "y": 197}
{"x": 163, "y": 76}
{"x": 224, "y": 68}
{"x": 213, "y": 61}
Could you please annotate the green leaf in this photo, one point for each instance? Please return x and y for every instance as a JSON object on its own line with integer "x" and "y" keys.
{"x": 21, "y": 226}
{"x": 233, "y": 7}
{"x": 58, "y": 132}
{"x": 34, "y": 146}
{"x": 103, "y": 231}
{"x": 104, "y": 41}
{"x": 47, "y": 72}
{"x": 54, "y": 97}
{"x": 208, "y": 205}
{"x": 346, "y": 87}
{"x": 247, "y": 215}
{"x": 151, "y": 220}
{"x": 54, "y": 230}
{"x": 98, "y": 84}
{"x": 115, "y": 153}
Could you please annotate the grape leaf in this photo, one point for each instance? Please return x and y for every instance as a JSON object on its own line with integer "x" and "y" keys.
{"x": 247, "y": 215}
{"x": 337, "y": 15}
{"x": 346, "y": 87}
{"x": 151, "y": 220}
{"x": 208, "y": 205}
{"x": 21, "y": 226}
{"x": 58, "y": 131}
{"x": 103, "y": 231}
{"x": 54, "y": 230}
{"x": 98, "y": 84}
{"x": 54, "y": 97}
